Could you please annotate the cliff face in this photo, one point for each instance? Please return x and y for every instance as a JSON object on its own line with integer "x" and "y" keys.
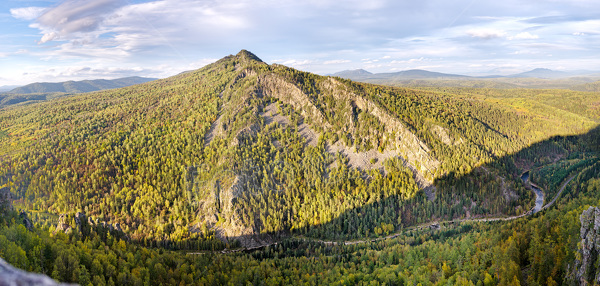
{"x": 587, "y": 271}
{"x": 415, "y": 152}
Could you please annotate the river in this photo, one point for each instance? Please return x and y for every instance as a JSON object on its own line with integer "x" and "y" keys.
{"x": 539, "y": 195}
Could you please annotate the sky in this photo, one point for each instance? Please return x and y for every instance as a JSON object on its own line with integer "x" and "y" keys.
{"x": 51, "y": 41}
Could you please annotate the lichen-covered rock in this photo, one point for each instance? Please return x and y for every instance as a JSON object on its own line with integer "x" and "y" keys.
{"x": 586, "y": 270}
{"x": 11, "y": 276}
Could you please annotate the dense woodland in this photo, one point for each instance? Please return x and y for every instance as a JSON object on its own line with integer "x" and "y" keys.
{"x": 538, "y": 250}
{"x": 179, "y": 163}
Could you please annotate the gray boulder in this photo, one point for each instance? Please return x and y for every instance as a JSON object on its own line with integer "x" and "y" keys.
{"x": 11, "y": 276}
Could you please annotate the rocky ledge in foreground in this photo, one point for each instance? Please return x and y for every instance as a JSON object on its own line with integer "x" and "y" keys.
{"x": 586, "y": 269}
{"x": 11, "y": 276}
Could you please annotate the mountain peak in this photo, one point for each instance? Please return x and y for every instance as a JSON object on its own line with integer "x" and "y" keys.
{"x": 352, "y": 73}
{"x": 542, "y": 73}
{"x": 541, "y": 70}
{"x": 247, "y": 55}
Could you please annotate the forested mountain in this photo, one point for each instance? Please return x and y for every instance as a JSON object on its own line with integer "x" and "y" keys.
{"x": 36, "y": 92}
{"x": 78, "y": 86}
{"x": 242, "y": 154}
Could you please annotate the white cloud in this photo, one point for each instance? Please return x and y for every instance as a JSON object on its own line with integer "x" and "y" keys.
{"x": 295, "y": 63}
{"x": 553, "y": 46}
{"x": 524, "y": 36}
{"x": 27, "y": 13}
{"x": 74, "y": 16}
{"x": 333, "y": 62}
{"x": 410, "y": 61}
{"x": 429, "y": 67}
{"x": 525, "y": 52}
{"x": 373, "y": 66}
{"x": 82, "y": 72}
{"x": 486, "y": 33}
{"x": 49, "y": 36}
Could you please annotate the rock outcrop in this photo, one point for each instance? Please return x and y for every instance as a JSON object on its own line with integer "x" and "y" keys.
{"x": 62, "y": 225}
{"x": 5, "y": 200}
{"x": 415, "y": 152}
{"x": 79, "y": 218}
{"x": 83, "y": 224}
{"x": 26, "y": 221}
{"x": 11, "y": 276}
{"x": 586, "y": 270}
{"x": 277, "y": 87}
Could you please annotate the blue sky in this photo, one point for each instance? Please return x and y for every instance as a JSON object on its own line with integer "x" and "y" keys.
{"x": 84, "y": 39}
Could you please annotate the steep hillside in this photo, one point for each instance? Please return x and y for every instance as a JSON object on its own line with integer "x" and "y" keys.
{"x": 247, "y": 152}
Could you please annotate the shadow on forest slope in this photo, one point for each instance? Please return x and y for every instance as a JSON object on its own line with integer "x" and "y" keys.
{"x": 476, "y": 193}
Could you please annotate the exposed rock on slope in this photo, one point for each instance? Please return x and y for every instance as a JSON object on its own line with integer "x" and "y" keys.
{"x": 275, "y": 86}
{"x": 413, "y": 150}
{"x": 408, "y": 145}
{"x": 26, "y": 221}
{"x": 5, "y": 200}
{"x": 586, "y": 265}
{"x": 442, "y": 133}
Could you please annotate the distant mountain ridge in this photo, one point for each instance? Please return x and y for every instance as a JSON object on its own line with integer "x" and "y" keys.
{"x": 79, "y": 86}
{"x": 7, "y": 87}
{"x": 542, "y": 73}
{"x": 536, "y": 78}
{"x": 407, "y": 74}
{"x": 352, "y": 73}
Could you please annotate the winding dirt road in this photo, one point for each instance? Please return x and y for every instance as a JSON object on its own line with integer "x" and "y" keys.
{"x": 430, "y": 224}
{"x": 559, "y": 192}
{"x": 416, "y": 227}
